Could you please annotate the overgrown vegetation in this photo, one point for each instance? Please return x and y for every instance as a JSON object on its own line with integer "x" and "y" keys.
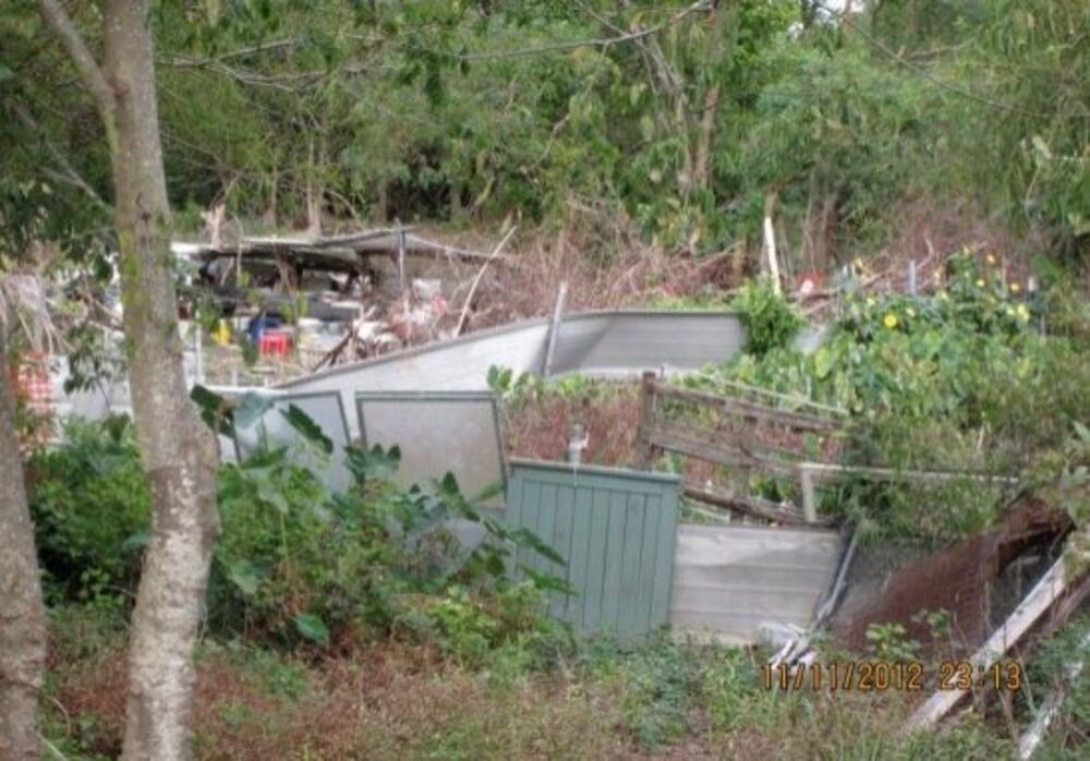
{"x": 298, "y": 563}
{"x": 688, "y": 121}
{"x": 976, "y": 376}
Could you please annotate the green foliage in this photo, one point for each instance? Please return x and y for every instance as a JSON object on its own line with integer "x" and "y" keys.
{"x": 1051, "y": 664}
{"x": 768, "y": 318}
{"x": 890, "y": 643}
{"x": 297, "y": 563}
{"x": 957, "y": 380}
{"x": 297, "y": 560}
{"x": 91, "y": 511}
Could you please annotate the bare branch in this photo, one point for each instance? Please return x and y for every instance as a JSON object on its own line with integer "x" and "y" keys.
{"x": 698, "y": 6}
{"x": 67, "y": 172}
{"x": 73, "y": 43}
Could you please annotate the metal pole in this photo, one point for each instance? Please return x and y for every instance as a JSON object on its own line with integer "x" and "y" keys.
{"x": 199, "y": 346}
{"x": 400, "y": 257}
{"x": 912, "y": 276}
{"x": 577, "y": 442}
{"x": 554, "y": 329}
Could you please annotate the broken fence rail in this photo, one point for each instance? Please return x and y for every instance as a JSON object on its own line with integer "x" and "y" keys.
{"x": 742, "y": 449}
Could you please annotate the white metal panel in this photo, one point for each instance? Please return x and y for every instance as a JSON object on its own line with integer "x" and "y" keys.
{"x": 437, "y": 432}
{"x": 728, "y": 580}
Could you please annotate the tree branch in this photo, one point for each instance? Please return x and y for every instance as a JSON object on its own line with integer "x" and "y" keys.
{"x": 604, "y": 42}
{"x": 68, "y": 172}
{"x": 73, "y": 43}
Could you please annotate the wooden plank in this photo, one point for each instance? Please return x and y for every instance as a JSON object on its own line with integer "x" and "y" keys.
{"x": 546, "y": 522}
{"x": 676, "y": 438}
{"x": 1046, "y": 592}
{"x": 531, "y": 500}
{"x": 645, "y": 585}
{"x": 747, "y": 505}
{"x": 809, "y": 500}
{"x": 752, "y": 411}
{"x": 628, "y": 619}
{"x": 562, "y": 543}
{"x": 515, "y": 501}
{"x": 665, "y": 556}
{"x": 732, "y": 439}
{"x": 820, "y": 471}
{"x": 1035, "y": 735}
{"x": 578, "y": 565}
{"x": 614, "y": 556}
{"x": 594, "y": 605}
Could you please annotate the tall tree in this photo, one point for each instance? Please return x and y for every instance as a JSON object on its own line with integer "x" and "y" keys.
{"x": 179, "y": 453}
{"x": 22, "y": 621}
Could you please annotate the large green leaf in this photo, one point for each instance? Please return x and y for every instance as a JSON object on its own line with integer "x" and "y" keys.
{"x": 215, "y": 410}
{"x": 307, "y": 428}
{"x": 244, "y": 575}
{"x": 312, "y": 627}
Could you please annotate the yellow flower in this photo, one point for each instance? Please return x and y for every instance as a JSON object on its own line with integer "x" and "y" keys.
{"x": 1023, "y": 312}
{"x": 890, "y": 321}
{"x": 979, "y": 283}
{"x": 1015, "y": 288}
{"x": 991, "y": 258}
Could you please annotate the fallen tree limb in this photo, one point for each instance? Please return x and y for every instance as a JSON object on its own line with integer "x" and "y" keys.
{"x": 477, "y": 280}
{"x": 751, "y": 506}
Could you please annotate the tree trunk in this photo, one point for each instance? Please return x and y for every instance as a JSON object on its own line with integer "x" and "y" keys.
{"x": 179, "y": 453}
{"x": 702, "y": 165}
{"x": 22, "y": 617}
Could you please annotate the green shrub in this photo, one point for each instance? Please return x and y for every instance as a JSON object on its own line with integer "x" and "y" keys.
{"x": 298, "y": 561}
{"x": 960, "y": 379}
{"x": 91, "y": 511}
{"x": 769, "y": 320}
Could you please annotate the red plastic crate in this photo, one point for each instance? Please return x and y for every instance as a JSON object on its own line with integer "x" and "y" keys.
{"x": 274, "y": 343}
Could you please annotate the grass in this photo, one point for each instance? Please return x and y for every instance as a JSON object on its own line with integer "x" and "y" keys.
{"x": 392, "y": 701}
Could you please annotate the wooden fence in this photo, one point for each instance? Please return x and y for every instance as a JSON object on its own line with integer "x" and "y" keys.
{"x": 768, "y": 433}
{"x": 745, "y": 435}
{"x": 616, "y": 531}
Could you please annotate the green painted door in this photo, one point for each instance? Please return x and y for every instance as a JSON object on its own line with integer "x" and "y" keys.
{"x": 616, "y": 530}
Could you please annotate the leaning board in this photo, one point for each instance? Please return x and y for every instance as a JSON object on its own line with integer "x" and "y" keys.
{"x": 728, "y": 580}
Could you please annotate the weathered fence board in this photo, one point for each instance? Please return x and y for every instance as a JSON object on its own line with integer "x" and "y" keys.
{"x": 616, "y": 530}
{"x": 728, "y": 580}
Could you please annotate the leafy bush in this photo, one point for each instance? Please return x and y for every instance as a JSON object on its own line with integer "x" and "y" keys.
{"x": 769, "y": 320}
{"x": 961, "y": 379}
{"x": 91, "y": 510}
{"x": 298, "y": 561}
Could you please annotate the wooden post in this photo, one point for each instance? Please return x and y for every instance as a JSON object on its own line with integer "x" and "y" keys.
{"x": 554, "y": 329}
{"x": 645, "y": 455}
{"x": 770, "y": 243}
{"x": 809, "y": 503}
{"x": 400, "y": 258}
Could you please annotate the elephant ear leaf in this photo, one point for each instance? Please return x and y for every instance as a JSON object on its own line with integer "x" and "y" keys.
{"x": 305, "y": 426}
{"x": 216, "y": 412}
{"x": 312, "y": 627}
